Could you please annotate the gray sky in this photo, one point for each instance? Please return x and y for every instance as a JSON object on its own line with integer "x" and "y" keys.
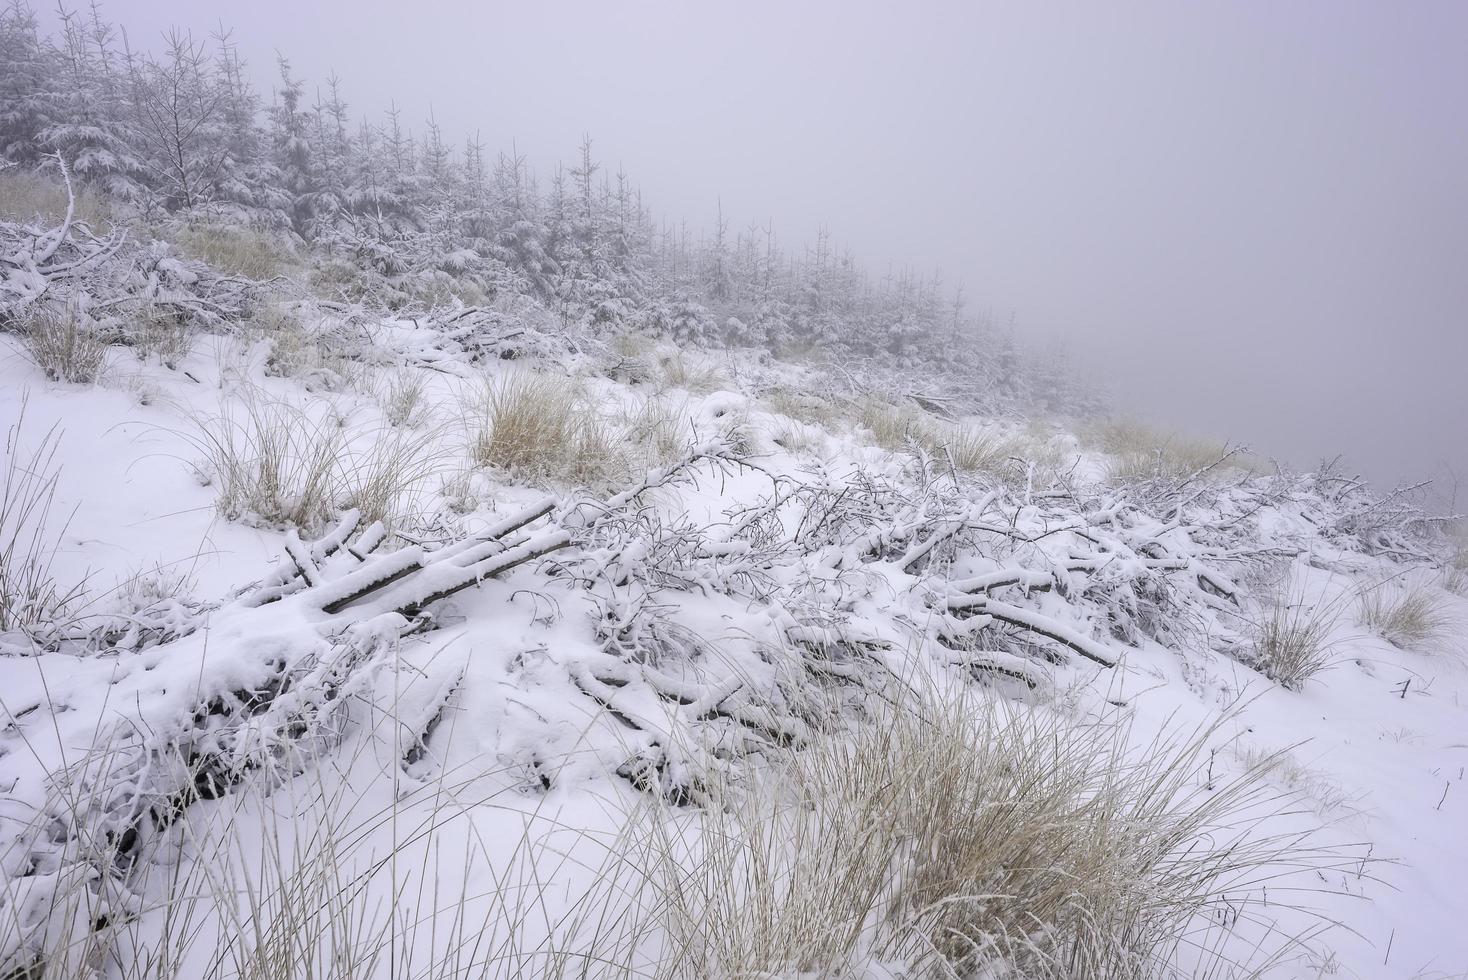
{"x": 1250, "y": 218}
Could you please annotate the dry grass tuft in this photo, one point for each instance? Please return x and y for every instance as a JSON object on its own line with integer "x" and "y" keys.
{"x": 273, "y": 463}
{"x": 972, "y": 450}
{"x": 402, "y": 398}
{"x": 1409, "y": 615}
{"x": 156, "y": 333}
{"x": 679, "y": 371}
{"x": 387, "y": 480}
{"x": 233, "y": 250}
{"x": 306, "y": 355}
{"x": 802, "y": 407}
{"x": 28, "y": 196}
{"x": 66, "y": 347}
{"x": 794, "y": 437}
{"x": 30, "y": 534}
{"x": 1292, "y": 636}
{"x": 631, "y": 345}
{"x": 893, "y": 427}
{"x": 276, "y": 464}
{"x": 1141, "y": 454}
{"x": 658, "y": 426}
{"x": 953, "y": 835}
{"x": 542, "y": 427}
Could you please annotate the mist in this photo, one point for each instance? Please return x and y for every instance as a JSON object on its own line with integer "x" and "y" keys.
{"x": 1245, "y": 221}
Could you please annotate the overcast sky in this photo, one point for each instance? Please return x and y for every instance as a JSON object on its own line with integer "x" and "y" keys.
{"x": 1251, "y": 219}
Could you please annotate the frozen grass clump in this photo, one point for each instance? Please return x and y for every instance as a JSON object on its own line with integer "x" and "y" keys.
{"x": 802, "y": 407}
{"x": 970, "y": 449}
{"x": 386, "y": 481}
{"x": 680, "y": 371}
{"x": 275, "y": 464}
{"x": 1292, "y": 636}
{"x": 233, "y": 250}
{"x": 309, "y": 356}
{"x": 403, "y": 398}
{"x": 1141, "y": 454}
{"x": 658, "y": 426}
{"x": 541, "y": 427}
{"x": 1409, "y": 615}
{"x": 795, "y": 437}
{"x": 65, "y": 346}
{"x": 952, "y": 835}
{"x": 30, "y": 534}
{"x": 156, "y": 333}
{"x": 303, "y": 882}
{"x": 1455, "y": 571}
{"x": 27, "y": 196}
{"x": 892, "y": 427}
{"x": 271, "y": 462}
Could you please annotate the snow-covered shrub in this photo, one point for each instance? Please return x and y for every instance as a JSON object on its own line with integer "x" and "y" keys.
{"x": 950, "y": 835}
{"x": 67, "y": 345}
{"x": 340, "y": 279}
{"x": 541, "y": 427}
{"x": 629, "y": 345}
{"x": 1291, "y": 636}
{"x": 438, "y": 288}
{"x": 682, "y": 321}
{"x": 1409, "y": 614}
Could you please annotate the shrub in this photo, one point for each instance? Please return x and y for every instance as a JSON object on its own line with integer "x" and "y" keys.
{"x": 66, "y": 346}
{"x": 1406, "y": 615}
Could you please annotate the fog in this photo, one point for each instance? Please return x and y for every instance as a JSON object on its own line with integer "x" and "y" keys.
{"x": 1248, "y": 221}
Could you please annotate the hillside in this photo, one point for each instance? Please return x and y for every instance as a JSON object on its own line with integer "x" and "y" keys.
{"x": 374, "y": 608}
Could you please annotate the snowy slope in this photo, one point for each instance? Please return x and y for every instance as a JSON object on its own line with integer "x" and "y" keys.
{"x": 648, "y": 638}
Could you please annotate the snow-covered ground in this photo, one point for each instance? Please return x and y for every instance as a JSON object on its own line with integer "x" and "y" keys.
{"x": 491, "y": 742}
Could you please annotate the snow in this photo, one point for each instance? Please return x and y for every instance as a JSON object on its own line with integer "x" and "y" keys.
{"x": 511, "y": 691}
